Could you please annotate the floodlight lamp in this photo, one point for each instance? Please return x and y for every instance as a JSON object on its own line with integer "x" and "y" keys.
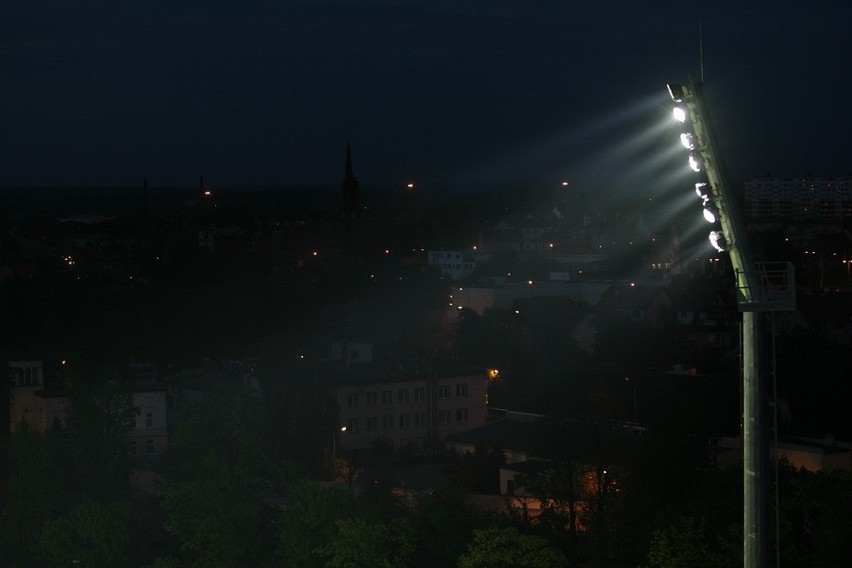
{"x": 711, "y": 214}
{"x": 688, "y": 141}
{"x": 676, "y": 92}
{"x": 695, "y": 162}
{"x": 717, "y": 239}
{"x": 679, "y": 113}
{"x": 702, "y": 192}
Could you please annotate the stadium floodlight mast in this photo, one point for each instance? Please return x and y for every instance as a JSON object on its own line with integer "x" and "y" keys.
{"x": 753, "y": 296}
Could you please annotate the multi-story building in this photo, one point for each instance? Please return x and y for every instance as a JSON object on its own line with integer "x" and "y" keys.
{"x": 409, "y": 413}
{"x": 799, "y": 199}
{"x": 149, "y": 438}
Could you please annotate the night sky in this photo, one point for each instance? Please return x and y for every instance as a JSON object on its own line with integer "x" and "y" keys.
{"x": 442, "y": 94}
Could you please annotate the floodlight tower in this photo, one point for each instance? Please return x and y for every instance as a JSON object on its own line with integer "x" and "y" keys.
{"x": 761, "y": 287}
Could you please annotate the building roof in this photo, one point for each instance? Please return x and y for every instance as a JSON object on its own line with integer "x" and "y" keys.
{"x": 340, "y": 375}
{"x": 502, "y": 434}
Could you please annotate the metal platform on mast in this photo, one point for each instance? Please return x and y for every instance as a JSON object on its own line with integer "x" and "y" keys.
{"x": 773, "y": 288}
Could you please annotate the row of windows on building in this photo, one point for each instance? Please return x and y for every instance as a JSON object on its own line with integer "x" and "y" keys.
{"x": 133, "y": 447}
{"x": 149, "y": 420}
{"x": 24, "y": 376}
{"x": 404, "y": 420}
{"x": 403, "y": 395}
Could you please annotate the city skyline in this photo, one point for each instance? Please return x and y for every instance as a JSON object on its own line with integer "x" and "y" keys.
{"x": 433, "y": 94}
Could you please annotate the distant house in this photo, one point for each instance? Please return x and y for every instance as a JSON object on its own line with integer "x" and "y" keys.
{"x": 31, "y": 405}
{"x": 455, "y": 264}
{"x": 813, "y": 454}
{"x": 705, "y": 319}
{"x": 514, "y": 437}
{"x": 501, "y": 295}
{"x": 637, "y": 303}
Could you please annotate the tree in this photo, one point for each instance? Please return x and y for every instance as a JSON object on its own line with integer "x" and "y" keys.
{"x": 687, "y": 544}
{"x": 221, "y": 437}
{"x": 361, "y": 543}
{"x": 509, "y": 548}
{"x": 815, "y": 523}
{"x": 443, "y": 520}
{"x": 36, "y": 489}
{"x": 91, "y": 534}
{"x": 102, "y": 417}
{"x": 219, "y": 525}
{"x": 308, "y": 521}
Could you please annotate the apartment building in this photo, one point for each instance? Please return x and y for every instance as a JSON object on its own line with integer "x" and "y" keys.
{"x": 410, "y": 414}
{"x": 813, "y": 199}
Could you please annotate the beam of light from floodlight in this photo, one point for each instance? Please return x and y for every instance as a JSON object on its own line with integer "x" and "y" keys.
{"x": 673, "y": 181}
{"x": 659, "y": 164}
{"x": 632, "y": 148}
{"x": 554, "y": 148}
{"x": 682, "y": 207}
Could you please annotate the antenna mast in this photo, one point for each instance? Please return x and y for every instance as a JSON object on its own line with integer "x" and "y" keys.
{"x": 701, "y": 51}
